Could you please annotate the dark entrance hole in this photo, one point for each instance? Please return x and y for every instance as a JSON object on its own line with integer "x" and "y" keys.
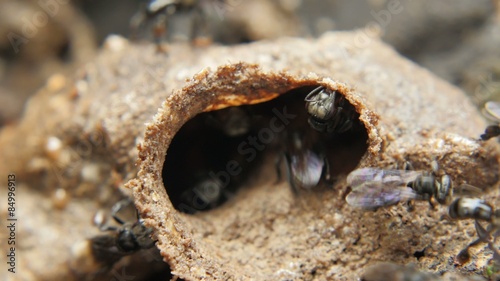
{"x": 215, "y": 152}
{"x": 419, "y": 254}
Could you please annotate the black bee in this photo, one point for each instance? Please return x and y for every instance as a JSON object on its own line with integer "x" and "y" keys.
{"x": 159, "y": 13}
{"x": 129, "y": 238}
{"x": 492, "y": 111}
{"x": 329, "y": 111}
{"x": 478, "y": 210}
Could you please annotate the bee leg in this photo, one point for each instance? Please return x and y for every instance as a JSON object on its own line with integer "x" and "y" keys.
{"x": 465, "y": 252}
{"x": 432, "y": 203}
{"x": 482, "y": 233}
{"x": 491, "y": 245}
{"x": 101, "y": 222}
{"x": 277, "y": 166}
{"x": 484, "y": 236}
{"x": 408, "y": 166}
{"x": 496, "y": 233}
{"x": 289, "y": 176}
{"x": 411, "y": 206}
{"x": 117, "y": 207}
{"x": 159, "y": 30}
{"x": 491, "y": 132}
{"x": 496, "y": 254}
{"x": 463, "y": 256}
{"x": 326, "y": 171}
{"x": 332, "y": 126}
{"x": 346, "y": 125}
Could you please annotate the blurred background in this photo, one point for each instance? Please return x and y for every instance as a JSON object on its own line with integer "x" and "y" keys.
{"x": 459, "y": 40}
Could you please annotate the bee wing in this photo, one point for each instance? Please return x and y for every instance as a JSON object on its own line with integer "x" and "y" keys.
{"x": 374, "y": 194}
{"x": 492, "y": 110}
{"x": 467, "y": 190}
{"x": 307, "y": 169}
{"x": 360, "y": 176}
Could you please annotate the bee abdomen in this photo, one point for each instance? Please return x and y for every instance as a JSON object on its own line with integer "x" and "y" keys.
{"x": 470, "y": 208}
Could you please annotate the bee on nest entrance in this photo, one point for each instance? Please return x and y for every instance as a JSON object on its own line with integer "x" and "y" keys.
{"x": 313, "y": 134}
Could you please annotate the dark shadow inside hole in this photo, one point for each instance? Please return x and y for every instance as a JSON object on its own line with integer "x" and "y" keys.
{"x": 216, "y": 152}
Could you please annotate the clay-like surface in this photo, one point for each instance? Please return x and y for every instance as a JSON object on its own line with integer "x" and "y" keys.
{"x": 267, "y": 233}
{"x": 82, "y": 136}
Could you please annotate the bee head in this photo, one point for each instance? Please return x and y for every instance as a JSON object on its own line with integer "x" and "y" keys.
{"x": 444, "y": 190}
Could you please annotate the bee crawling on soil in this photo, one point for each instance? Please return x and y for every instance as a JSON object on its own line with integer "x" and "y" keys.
{"x": 129, "y": 238}
{"x": 492, "y": 111}
{"x": 478, "y": 210}
{"x": 329, "y": 111}
{"x": 305, "y": 167}
{"x": 98, "y": 255}
{"x": 373, "y": 188}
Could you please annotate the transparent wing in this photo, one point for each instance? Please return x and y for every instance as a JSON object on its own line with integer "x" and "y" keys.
{"x": 306, "y": 169}
{"x": 391, "y": 177}
{"x": 466, "y": 189}
{"x": 492, "y": 110}
{"x": 375, "y": 194}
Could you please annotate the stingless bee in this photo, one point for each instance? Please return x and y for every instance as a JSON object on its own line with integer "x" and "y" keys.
{"x": 305, "y": 167}
{"x": 129, "y": 238}
{"x": 100, "y": 253}
{"x": 478, "y": 210}
{"x": 159, "y": 13}
{"x": 474, "y": 208}
{"x": 373, "y": 188}
{"x": 206, "y": 194}
{"x": 492, "y": 111}
{"x": 329, "y": 111}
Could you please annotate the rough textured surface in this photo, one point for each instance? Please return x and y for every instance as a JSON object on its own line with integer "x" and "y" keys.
{"x": 87, "y": 131}
{"x": 38, "y": 39}
{"x": 316, "y": 234}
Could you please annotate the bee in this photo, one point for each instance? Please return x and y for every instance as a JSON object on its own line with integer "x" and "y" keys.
{"x": 99, "y": 254}
{"x": 478, "y": 210}
{"x": 329, "y": 111}
{"x": 491, "y": 111}
{"x": 473, "y": 208}
{"x": 305, "y": 168}
{"x": 159, "y": 11}
{"x": 373, "y": 188}
{"x": 129, "y": 238}
{"x": 206, "y": 194}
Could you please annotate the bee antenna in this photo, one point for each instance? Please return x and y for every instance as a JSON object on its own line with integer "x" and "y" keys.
{"x": 117, "y": 207}
{"x": 308, "y": 97}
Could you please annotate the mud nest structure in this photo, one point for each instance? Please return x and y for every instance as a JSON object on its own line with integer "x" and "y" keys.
{"x": 194, "y": 135}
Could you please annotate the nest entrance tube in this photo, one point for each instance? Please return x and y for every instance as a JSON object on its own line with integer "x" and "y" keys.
{"x": 316, "y": 235}
{"x": 217, "y": 152}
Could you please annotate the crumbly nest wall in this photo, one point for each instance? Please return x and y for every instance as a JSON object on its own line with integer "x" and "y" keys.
{"x": 265, "y": 232}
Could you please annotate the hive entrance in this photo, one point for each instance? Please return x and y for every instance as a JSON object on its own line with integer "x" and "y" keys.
{"x": 215, "y": 152}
